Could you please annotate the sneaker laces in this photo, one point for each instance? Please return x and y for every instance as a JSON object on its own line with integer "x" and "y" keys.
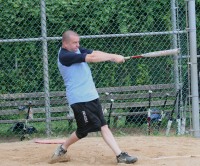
{"x": 126, "y": 153}
{"x": 122, "y": 154}
{"x": 60, "y": 151}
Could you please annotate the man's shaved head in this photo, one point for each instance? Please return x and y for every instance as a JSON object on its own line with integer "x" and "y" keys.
{"x": 67, "y": 35}
{"x": 70, "y": 40}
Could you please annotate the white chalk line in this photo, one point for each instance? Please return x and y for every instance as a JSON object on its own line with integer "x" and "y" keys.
{"x": 174, "y": 157}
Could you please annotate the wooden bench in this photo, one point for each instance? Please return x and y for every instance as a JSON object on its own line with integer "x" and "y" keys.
{"x": 125, "y": 98}
{"x": 132, "y": 101}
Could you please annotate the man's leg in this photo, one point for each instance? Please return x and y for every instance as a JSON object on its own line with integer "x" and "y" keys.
{"x": 122, "y": 157}
{"x": 110, "y": 140}
{"x": 59, "y": 154}
{"x": 71, "y": 140}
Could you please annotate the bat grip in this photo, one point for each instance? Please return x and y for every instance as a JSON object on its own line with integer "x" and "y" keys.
{"x": 129, "y": 57}
{"x": 126, "y": 58}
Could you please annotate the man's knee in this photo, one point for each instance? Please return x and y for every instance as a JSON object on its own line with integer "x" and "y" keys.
{"x": 105, "y": 127}
{"x": 81, "y": 135}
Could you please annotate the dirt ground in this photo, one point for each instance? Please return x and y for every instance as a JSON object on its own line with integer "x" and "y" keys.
{"x": 90, "y": 151}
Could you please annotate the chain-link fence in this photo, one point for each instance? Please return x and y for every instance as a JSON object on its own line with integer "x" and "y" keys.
{"x": 31, "y": 84}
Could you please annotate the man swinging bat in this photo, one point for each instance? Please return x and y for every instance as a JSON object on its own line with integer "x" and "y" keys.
{"x": 83, "y": 97}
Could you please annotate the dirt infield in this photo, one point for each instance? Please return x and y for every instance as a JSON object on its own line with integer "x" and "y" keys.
{"x": 90, "y": 151}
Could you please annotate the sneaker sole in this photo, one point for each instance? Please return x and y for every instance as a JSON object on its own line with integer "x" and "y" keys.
{"x": 59, "y": 159}
{"x": 132, "y": 162}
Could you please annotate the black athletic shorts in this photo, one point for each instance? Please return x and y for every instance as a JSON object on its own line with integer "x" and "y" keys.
{"x": 89, "y": 116}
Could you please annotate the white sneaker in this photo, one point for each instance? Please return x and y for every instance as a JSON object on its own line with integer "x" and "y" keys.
{"x": 59, "y": 155}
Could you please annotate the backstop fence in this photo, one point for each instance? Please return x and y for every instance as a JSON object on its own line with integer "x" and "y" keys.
{"x": 139, "y": 96}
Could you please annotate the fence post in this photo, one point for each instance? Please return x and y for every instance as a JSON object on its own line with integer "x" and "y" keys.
{"x": 175, "y": 44}
{"x": 193, "y": 60}
{"x": 45, "y": 67}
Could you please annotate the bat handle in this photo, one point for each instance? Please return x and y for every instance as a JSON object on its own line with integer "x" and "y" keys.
{"x": 135, "y": 56}
{"x": 128, "y": 57}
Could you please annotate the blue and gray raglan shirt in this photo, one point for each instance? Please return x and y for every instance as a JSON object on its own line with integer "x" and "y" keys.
{"x": 77, "y": 75}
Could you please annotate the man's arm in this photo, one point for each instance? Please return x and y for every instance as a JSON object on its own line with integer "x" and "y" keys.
{"x": 99, "y": 56}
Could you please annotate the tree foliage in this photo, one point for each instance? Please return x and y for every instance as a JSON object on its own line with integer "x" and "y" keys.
{"x": 21, "y": 63}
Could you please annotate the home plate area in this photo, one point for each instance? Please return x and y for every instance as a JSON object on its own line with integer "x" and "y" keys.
{"x": 90, "y": 151}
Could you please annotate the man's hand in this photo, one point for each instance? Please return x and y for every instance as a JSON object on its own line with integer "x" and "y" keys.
{"x": 119, "y": 59}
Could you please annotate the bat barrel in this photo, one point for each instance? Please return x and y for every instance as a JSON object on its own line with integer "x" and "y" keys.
{"x": 161, "y": 53}
{"x": 156, "y": 54}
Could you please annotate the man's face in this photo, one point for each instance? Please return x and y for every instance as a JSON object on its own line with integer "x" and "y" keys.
{"x": 73, "y": 43}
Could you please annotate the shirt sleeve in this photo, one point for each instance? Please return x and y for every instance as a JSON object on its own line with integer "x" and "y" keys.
{"x": 84, "y": 50}
{"x": 68, "y": 58}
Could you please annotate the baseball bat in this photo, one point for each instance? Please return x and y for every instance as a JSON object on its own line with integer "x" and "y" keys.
{"x": 110, "y": 110}
{"x": 26, "y": 122}
{"x": 183, "y": 119}
{"x": 162, "y": 111}
{"x": 178, "y": 120}
{"x": 29, "y": 110}
{"x": 169, "y": 123}
{"x": 155, "y": 54}
{"x": 149, "y": 114}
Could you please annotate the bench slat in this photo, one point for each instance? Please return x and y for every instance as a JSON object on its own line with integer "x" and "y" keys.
{"x": 30, "y": 95}
{"x": 35, "y": 110}
{"x": 37, "y": 119}
{"x": 35, "y": 103}
{"x": 137, "y": 104}
{"x": 104, "y": 105}
{"x": 136, "y": 88}
{"x": 100, "y": 90}
{"x": 63, "y": 101}
{"x": 113, "y": 114}
{"x": 136, "y": 96}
